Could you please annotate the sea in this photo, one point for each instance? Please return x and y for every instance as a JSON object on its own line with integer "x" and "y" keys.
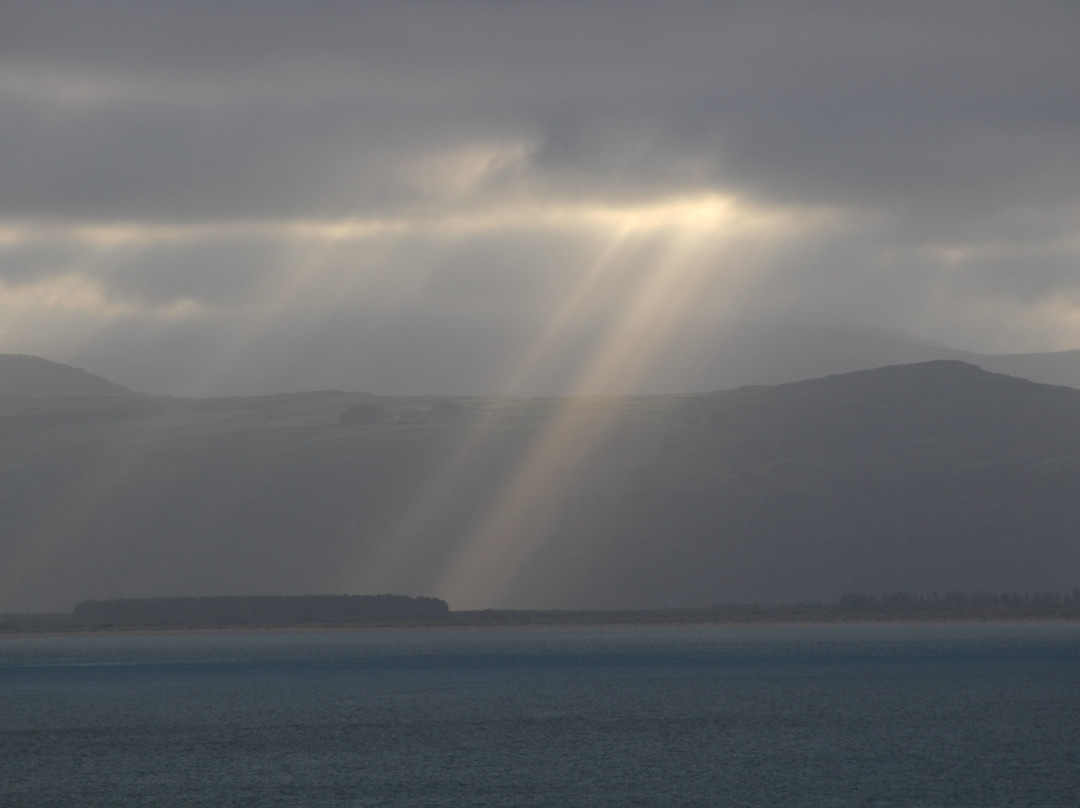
{"x": 831, "y": 715}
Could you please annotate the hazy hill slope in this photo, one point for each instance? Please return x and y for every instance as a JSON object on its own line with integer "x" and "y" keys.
{"x": 722, "y": 358}
{"x": 1058, "y": 367}
{"x": 924, "y": 477}
{"x": 691, "y": 358}
{"x": 25, "y": 376}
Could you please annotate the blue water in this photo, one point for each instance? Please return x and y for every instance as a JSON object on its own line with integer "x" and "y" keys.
{"x": 741, "y": 716}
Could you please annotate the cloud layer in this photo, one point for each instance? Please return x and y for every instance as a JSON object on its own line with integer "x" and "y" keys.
{"x": 476, "y": 196}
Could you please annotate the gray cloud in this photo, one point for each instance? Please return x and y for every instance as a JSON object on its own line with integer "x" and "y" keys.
{"x": 217, "y": 271}
{"x": 25, "y": 262}
{"x": 281, "y": 109}
{"x": 940, "y": 138}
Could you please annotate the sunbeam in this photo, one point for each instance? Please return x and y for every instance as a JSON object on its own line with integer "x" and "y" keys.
{"x": 313, "y": 257}
{"x": 436, "y": 492}
{"x": 506, "y": 538}
{"x": 650, "y": 266}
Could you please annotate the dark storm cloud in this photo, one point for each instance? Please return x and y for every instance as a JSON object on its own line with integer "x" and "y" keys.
{"x": 285, "y": 109}
{"x": 144, "y": 160}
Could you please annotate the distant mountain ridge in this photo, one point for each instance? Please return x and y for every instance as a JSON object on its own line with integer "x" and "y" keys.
{"x": 737, "y": 354}
{"x": 24, "y": 376}
{"x": 929, "y": 477}
{"x": 1057, "y": 367}
{"x": 691, "y": 357}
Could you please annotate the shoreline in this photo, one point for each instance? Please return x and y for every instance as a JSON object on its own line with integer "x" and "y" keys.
{"x": 757, "y": 621}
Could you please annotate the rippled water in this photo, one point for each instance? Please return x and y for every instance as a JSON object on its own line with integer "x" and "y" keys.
{"x": 766, "y": 716}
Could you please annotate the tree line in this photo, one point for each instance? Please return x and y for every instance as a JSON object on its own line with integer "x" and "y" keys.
{"x": 246, "y": 610}
{"x": 995, "y": 602}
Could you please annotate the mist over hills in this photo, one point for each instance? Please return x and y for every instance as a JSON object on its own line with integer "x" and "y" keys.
{"x": 690, "y": 357}
{"x": 23, "y": 376}
{"x": 738, "y": 354}
{"x": 923, "y": 477}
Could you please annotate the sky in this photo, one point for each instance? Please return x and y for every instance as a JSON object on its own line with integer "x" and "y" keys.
{"x": 525, "y": 197}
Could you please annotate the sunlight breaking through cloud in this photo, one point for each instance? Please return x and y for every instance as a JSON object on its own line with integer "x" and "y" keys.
{"x": 335, "y": 265}
{"x": 504, "y": 541}
{"x": 501, "y": 201}
{"x": 657, "y": 259}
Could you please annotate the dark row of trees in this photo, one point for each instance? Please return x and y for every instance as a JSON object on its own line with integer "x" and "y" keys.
{"x": 909, "y": 602}
{"x": 241, "y": 610}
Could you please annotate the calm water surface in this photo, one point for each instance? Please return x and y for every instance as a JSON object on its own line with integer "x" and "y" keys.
{"x": 719, "y": 716}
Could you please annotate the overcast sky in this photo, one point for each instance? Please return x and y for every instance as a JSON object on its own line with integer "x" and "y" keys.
{"x": 450, "y": 197}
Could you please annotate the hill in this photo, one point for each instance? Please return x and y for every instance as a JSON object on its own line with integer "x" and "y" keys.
{"x": 926, "y": 477}
{"x": 690, "y": 358}
{"x": 1057, "y": 367}
{"x": 25, "y": 376}
{"x": 738, "y": 354}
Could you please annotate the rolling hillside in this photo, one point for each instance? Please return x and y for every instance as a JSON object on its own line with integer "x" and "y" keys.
{"x": 23, "y": 376}
{"x": 738, "y": 354}
{"x": 924, "y": 477}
